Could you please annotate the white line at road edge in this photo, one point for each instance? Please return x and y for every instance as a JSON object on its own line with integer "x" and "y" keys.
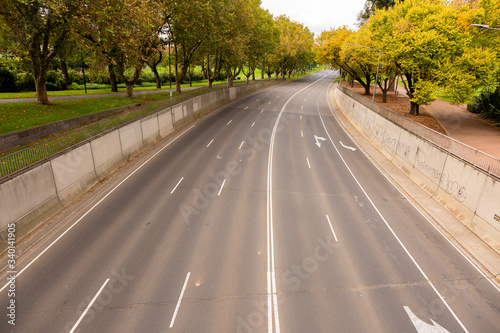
{"x": 390, "y": 229}
{"x": 425, "y": 215}
{"x": 97, "y": 204}
{"x": 177, "y": 185}
{"x": 333, "y": 231}
{"x": 89, "y": 306}
{"x": 272, "y": 297}
{"x": 180, "y": 300}
{"x": 221, "y": 187}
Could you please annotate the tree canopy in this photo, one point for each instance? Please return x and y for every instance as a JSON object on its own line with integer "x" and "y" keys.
{"x": 429, "y": 43}
{"x": 122, "y": 36}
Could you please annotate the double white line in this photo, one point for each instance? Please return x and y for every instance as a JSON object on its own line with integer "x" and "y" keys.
{"x": 272, "y": 296}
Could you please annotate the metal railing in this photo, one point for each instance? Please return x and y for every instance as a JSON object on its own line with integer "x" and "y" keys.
{"x": 479, "y": 159}
{"x": 23, "y": 158}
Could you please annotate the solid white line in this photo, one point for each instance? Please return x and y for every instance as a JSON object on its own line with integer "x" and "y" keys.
{"x": 253, "y": 124}
{"x": 272, "y": 297}
{"x": 330, "y": 223}
{"x": 309, "y": 164}
{"x": 177, "y": 185}
{"x": 89, "y": 306}
{"x": 210, "y": 143}
{"x": 97, "y": 204}
{"x": 221, "y": 187}
{"x": 392, "y": 231}
{"x": 241, "y": 145}
{"x": 424, "y": 214}
{"x": 180, "y": 300}
{"x": 229, "y": 122}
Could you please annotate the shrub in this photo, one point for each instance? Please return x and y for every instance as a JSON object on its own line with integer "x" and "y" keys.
{"x": 25, "y": 81}
{"x": 146, "y": 76}
{"x": 487, "y": 105}
{"x": 7, "y": 80}
{"x": 52, "y": 86}
{"x": 56, "y": 81}
{"x": 75, "y": 76}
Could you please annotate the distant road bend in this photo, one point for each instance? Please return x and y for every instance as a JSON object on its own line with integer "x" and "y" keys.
{"x": 261, "y": 217}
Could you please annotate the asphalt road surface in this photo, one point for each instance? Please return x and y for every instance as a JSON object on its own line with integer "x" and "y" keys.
{"x": 261, "y": 217}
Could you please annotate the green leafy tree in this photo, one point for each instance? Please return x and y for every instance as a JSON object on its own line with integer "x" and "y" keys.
{"x": 295, "y": 47}
{"x": 189, "y": 28}
{"x": 38, "y": 29}
{"x": 370, "y": 7}
{"x": 262, "y": 42}
{"x": 125, "y": 33}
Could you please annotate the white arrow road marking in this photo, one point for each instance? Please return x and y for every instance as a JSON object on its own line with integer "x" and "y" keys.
{"x": 317, "y": 138}
{"x": 423, "y": 327}
{"x": 347, "y": 147}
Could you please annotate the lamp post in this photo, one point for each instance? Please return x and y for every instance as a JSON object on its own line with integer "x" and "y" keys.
{"x": 378, "y": 66}
{"x": 483, "y": 26}
{"x": 169, "y": 70}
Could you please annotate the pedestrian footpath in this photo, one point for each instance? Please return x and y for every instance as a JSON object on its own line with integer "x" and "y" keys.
{"x": 464, "y": 126}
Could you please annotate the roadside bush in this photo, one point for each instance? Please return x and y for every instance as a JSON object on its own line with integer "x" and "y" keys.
{"x": 146, "y": 76}
{"x": 196, "y": 76}
{"x": 25, "y": 81}
{"x": 487, "y": 105}
{"x": 164, "y": 77}
{"x": 54, "y": 78}
{"x": 97, "y": 77}
{"x": 75, "y": 76}
{"x": 7, "y": 80}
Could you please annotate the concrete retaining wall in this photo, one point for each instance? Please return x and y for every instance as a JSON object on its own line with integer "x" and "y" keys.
{"x": 467, "y": 192}
{"x": 32, "y": 197}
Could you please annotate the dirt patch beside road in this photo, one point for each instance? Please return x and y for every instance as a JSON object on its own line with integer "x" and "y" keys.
{"x": 401, "y": 105}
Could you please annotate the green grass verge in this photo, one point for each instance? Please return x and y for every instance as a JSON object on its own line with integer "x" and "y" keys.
{"x": 23, "y": 115}
{"x": 97, "y": 89}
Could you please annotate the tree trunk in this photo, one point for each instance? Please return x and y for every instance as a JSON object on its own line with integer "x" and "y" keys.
{"x": 130, "y": 88}
{"x": 112, "y": 78}
{"x": 414, "y": 109}
{"x": 41, "y": 89}
{"x": 130, "y": 82}
{"x": 367, "y": 89}
{"x": 157, "y": 77}
{"x": 64, "y": 70}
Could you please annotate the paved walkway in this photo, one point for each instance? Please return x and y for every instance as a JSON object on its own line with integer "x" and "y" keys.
{"x": 465, "y": 126}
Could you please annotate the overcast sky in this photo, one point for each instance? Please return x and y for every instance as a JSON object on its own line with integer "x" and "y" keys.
{"x": 318, "y": 15}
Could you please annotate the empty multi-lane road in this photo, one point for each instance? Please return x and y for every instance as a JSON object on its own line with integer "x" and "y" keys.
{"x": 263, "y": 216}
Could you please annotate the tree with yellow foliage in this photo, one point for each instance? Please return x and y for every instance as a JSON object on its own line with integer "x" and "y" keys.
{"x": 430, "y": 43}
